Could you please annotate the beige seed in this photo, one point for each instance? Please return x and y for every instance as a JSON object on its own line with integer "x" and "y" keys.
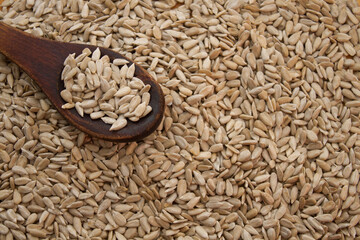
{"x": 96, "y": 115}
{"x": 201, "y": 231}
{"x": 66, "y": 95}
{"x": 96, "y": 54}
{"x": 109, "y": 94}
{"x": 104, "y": 206}
{"x": 131, "y": 71}
{"x": 122, "y": 92}
{"x": 140, "y": 109}
{"x": 118, "y": 124}
{"x": 120, "y": 61}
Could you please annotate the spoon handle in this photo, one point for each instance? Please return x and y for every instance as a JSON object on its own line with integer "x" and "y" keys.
{"x": 32, "y": 54}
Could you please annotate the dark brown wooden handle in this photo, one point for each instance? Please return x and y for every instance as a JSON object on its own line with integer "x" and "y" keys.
{"x": 23, "y": 48}
{"x": 32, "y": 54}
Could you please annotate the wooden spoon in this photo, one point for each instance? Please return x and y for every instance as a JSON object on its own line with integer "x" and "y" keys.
{"x": 43, "y": 59}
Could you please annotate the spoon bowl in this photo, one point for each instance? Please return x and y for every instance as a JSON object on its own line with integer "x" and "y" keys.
{"x": 43, "y": 59}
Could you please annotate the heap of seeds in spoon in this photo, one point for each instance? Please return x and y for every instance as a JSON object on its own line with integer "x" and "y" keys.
{"x": 106, "y": 90}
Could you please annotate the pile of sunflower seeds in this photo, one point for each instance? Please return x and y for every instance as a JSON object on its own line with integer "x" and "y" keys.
{"x": 260, "y": 138}
{"x": 95, "y": 86}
